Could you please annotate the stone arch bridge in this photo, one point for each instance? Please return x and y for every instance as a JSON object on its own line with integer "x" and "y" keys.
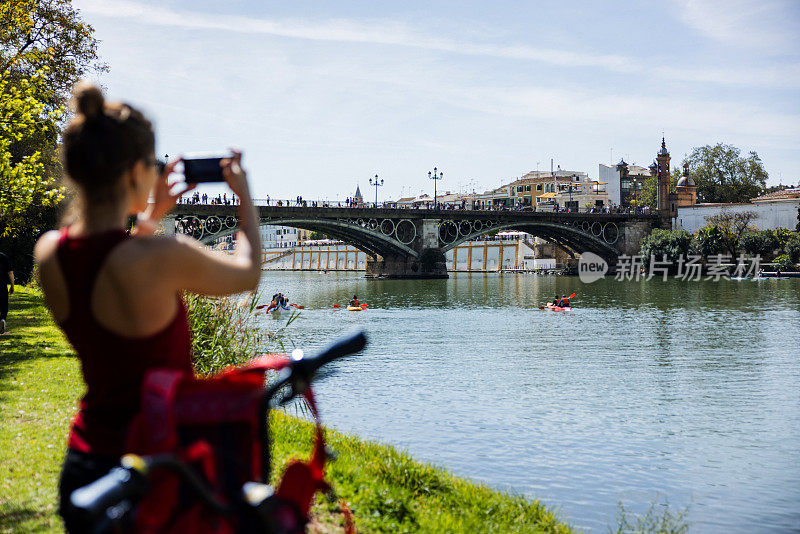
{"x": 410, "y": 243}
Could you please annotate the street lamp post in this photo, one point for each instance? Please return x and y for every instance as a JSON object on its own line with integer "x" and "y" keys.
{"x": 570, "y": 192}
{"x": 435, "y": 177}
{"x": 622, "y": 168}
{"x": 377, "y": 183}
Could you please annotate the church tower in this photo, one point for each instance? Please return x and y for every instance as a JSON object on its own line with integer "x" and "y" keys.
{"x": 662, "y": 192}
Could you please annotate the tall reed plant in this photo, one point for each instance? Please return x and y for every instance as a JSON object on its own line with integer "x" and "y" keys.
{"x": 223, "y": 331}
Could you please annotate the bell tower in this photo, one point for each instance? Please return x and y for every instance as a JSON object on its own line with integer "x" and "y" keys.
{"x": 662, "y": 192}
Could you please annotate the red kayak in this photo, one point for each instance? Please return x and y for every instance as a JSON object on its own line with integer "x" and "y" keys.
{"x": 558, "y": 308}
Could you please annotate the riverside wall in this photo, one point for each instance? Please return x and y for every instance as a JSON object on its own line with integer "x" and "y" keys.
{"x": 470, "y": 256}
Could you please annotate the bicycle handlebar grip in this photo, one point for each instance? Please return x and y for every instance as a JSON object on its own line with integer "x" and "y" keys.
{"x": 348, "y": 345}
{"x": 306, "y": 367}
{"x": 110, "y": 489}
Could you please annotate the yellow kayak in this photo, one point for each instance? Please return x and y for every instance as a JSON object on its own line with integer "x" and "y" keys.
{"x": 354, "y": 308}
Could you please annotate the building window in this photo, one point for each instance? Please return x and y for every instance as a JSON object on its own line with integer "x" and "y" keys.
{"x": 539, "y": 187}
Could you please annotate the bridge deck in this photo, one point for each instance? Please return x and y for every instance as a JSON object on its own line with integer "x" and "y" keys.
{"x": 412, "y": 214}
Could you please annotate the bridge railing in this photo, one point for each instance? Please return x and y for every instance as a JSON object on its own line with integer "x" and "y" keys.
{"x": 280, "y": 202}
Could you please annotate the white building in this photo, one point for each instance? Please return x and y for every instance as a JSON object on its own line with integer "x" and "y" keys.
{"x": 281, "y": 236}
{"x": 775, "y": 210}
{"x": 609, "y": 174}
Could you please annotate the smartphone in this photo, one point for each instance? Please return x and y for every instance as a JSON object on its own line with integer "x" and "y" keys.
{"x": 203, "y": 170}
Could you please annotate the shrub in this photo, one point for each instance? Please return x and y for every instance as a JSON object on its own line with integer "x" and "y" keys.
{"x": 670, "y": 243}
{"x": 759, "y": 242}
{"x": 792, "y": 247}
{"x": 784, "y": 263}
{"x": 782, "y": 237}
{"x": 710, "y": 240}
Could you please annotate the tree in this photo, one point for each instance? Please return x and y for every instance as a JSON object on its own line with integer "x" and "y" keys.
{"x": 46, "y": 36}
{"x": 25, "y": 188}
{"x": 731, "y": 227}
{"x": 798, "y": 219}
{"x": 315, "y": 235}
{"x": 673, "y": 244}
{"x": 648, "y": 194}
{"x": 44, "y": 49}
{"x": 722, "y": 175}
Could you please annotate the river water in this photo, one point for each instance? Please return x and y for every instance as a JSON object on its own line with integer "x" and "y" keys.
{"x": 680, "y": 392}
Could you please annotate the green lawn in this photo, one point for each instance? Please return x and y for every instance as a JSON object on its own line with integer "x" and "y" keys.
{"x": 387, "y": 490}
{"x": 40, "y": 383}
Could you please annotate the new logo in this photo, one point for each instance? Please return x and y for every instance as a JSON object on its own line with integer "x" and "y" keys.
{"x": 591, "y": 267}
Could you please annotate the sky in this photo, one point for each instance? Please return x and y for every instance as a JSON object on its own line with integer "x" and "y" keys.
{"x": 321, "y": 96}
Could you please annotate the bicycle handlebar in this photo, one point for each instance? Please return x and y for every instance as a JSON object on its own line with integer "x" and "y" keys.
{"x": 119, "y": 484}
{"x": 130, "y": 481}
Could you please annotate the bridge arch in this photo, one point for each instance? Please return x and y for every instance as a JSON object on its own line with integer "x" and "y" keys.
{"x": 371, "y": 241}
{"x": 566, "y": 236}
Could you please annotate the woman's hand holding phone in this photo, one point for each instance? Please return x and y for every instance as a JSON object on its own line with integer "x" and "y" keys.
{"x": 234, "y": 175}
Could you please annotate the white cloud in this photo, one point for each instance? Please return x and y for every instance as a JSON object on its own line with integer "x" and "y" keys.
{"x": 380, "y": 32}
{"x": 618, "y": 112}
{"x": 769, "y": 25}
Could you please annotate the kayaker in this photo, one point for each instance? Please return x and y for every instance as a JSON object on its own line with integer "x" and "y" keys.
{"x": 354, "y": 302}
{"x": 556, "y": 300}
{"x": 565, "y": 302}
{"x": 276, "y": 300}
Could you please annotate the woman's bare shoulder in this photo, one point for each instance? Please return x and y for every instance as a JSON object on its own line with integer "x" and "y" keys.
{"x": 162, "y": 244}
{"x": 156, "y": 253}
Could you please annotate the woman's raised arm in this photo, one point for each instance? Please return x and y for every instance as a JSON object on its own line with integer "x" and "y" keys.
{"x": 192, "y": 267}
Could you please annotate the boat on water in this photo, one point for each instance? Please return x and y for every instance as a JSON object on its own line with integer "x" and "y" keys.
{"x": 276, "y": 312}
{"x": 558, "y": 308}
{"x": 777, "y": 275}
{"x": 354, "y": 308}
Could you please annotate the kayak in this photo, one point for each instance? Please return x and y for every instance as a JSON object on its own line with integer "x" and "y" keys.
{"x": 558, "y": 308}
{"x": 354, "y": 308}
{"x": 277, "y": 311}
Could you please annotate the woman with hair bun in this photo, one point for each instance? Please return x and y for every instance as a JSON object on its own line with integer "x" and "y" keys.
{"x": 117, "y": 295}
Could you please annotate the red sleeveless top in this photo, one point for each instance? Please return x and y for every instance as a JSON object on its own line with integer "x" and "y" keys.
{"x": 113, "y": 366}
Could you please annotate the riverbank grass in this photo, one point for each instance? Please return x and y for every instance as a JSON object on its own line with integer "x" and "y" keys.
{"x": 386, "y": 489}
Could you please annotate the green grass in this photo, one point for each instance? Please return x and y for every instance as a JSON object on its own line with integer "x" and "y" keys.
{"x": 387, "y": 490}
{"x": 40, "y": 383}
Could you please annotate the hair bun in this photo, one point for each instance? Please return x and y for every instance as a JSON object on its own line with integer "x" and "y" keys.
{"x": 88, "y": 100}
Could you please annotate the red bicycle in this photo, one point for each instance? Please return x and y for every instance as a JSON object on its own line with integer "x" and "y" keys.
{"x": 201, "y": 458}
